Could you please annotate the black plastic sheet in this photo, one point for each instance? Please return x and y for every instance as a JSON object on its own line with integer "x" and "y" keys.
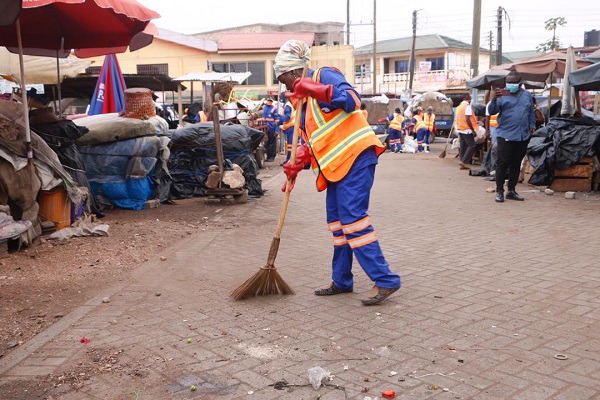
{"x": 193, "y": 151}
{"x": 61, "y": 137}
{"x": 560, "y": 144}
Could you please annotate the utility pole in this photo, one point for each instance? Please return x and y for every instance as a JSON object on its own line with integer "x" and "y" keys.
{"x": 475, "y": 43}
{"x": 411, "y": 62}
{"x": 476, "y": 36}
{"x": 499, "y": 37}
{"x": 348, "y": 22}
{"x": 374, "y": 47}
{"x": 491, "y": 39}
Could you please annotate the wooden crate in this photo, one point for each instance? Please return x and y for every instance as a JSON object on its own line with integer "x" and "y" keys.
{"x": 577, "y": 178}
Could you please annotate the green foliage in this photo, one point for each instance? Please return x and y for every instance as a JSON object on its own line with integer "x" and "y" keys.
{"x": 551, "y": 25}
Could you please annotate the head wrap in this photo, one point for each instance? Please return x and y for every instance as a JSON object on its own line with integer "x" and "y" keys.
{"x": 294, "y": 54}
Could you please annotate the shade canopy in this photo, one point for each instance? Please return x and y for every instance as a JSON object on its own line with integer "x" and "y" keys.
{"x": 82, "y": 86}
{"x": 40, "y": 69}
{"x": 208, "y": 77}
{"x": 538, "y": 68}
{"x": 49, "y": 27}
{"x": 587, "y": 78}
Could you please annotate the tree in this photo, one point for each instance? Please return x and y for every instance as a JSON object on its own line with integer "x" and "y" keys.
{"x": 551, "y": 25}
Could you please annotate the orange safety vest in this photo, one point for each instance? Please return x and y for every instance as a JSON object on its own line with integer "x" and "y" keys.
{"x": 429, "y": 121}
{"x": 289, "y": 124}
{"x": 203, "y": 116}
{"x": 336, "y": 139}
{"x": 494, "y": 120}
{"x": 365, "y": 113}
{"x": 420, "y": 124}
{"x": 461, "y": 118}
{"x": 396, "y": 123}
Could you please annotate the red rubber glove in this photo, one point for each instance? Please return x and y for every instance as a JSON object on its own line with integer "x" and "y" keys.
{"x": 381, "y": 120}
{"x": 306, "y": 87}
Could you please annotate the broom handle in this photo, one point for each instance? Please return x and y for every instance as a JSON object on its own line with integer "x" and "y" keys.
{"x": 286, "y": 197}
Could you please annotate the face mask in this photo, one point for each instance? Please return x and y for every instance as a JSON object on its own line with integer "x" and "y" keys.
{"x": 429, "y": 112}
{"x": 512, "y": 87}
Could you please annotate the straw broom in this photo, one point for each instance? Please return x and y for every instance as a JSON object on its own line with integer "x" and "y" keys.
{"x": 443, "y": 153}
{"x": 267, "y": 280}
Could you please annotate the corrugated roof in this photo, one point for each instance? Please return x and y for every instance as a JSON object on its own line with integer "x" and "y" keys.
{"x": 513, "y": 56}
{"x": 187, "y": 40}
{"x": 238, "y": 77}
{"x": 261, "y": 41}
{"x": 425, "y": 42}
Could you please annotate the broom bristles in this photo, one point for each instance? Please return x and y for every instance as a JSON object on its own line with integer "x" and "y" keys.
{"x": 443, "y": 154}
{"x": 264, "y": 282}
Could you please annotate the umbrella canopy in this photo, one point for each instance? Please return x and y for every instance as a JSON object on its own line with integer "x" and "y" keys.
{"x": 9, "y": 11}
{"x": 39, "y": 69}
{"x": 51, "y": 26}
{"x": 138, "y": 41}
{"x": 484, "y": 81}
{"x": 587, "y": 78}
{"x": 54, "y": 27}
{"x": 538, "y": 68}
{"x": 109, "y": 95}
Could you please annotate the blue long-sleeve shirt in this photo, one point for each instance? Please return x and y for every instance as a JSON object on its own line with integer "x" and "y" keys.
{"x": 516, "y": 116}
{"x": 287, "y": 115}
{"x": 270, "y": 114}
{"x": 343, "y": 97}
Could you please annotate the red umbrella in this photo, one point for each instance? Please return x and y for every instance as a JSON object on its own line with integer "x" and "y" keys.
{"x": 55, "y": 27}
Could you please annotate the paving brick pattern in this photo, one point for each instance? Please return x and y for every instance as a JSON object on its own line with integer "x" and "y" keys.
{"x": 491, "y": 293}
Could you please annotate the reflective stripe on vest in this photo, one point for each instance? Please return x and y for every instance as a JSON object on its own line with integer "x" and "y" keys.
{"x": 290, "y": 124}
{"x": 461, "y": 118}
{"x": 429, "y": 121}
{"x": 336, "y": 139}
{"x": 494, "y": 120}
{"x": 420, "y": 124}
{"x": 396, "y": 123}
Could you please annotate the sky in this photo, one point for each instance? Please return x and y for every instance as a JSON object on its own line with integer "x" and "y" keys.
{"x": 394, "y": 18}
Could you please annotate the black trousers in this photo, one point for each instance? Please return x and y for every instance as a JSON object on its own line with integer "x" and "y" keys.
{"x": 271, "y": 145}
{"x": 467, "y": 147}
{"x": 509, "y": 154}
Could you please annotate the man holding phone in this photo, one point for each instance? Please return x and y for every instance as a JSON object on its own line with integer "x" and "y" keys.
{"x": 516, "y": 122}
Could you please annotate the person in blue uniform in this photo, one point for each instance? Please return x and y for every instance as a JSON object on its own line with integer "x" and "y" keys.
{"x": 270, "y": 116}
{"x": 343, "y": 150}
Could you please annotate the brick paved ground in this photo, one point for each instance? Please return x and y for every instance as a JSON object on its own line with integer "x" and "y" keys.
{"x": 509, "y": 286}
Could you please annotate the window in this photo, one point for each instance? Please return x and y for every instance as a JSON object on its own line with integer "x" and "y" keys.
{"x": 153, "y": 69}
{"x": 93, "y": 70}
{"x": 437, "y": 64}
{"x": 400, "y": 66}
{"x": 257, "y": 69}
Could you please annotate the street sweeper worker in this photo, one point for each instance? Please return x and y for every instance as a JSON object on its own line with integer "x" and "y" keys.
{"x": 395, "y": 130}
{"x": 343, "y": 150}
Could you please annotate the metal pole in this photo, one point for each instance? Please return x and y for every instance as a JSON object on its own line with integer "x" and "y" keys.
{"x": 24, "y": 92}
{"x": 499, "y": 37}
{"x": 476, "y": 35}
{"x": 411, "y": 63}
{"x": 374, "y": 47}
{"x": 491, "y": 44}
{"x": 191, "y": 92}
{"x": 179, "y": 103}
{"x": 348, "y": 22}
{"x": 59, "y": 89}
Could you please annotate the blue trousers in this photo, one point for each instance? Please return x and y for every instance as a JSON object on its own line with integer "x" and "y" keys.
{"x": 347, "y": 205}
{"x": 395, "y": 139}
{"x": 422, "y": 137}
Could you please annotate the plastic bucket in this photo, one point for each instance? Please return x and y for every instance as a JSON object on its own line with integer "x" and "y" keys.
{"x": 56, "y": 207}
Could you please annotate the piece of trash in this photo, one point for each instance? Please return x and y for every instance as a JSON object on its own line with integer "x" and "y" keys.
{"x": 189, "y": 340}
{"x": 452, "y": 348}
{"x": 316, "y": 376}
{"x": 193, "y": 388}
{"x": 434, "y": 387}
{"x": 393, "y": 373}
{"x": 389, "y": 394}
{"x": 250, "y": 391}
{"x": 446, "y": 389}
{"x": 460, "y": 360}
{"x": 490, "y": 190}
{"x": 346, "y": 368}
{"x": 85, "y": 340}
{"x": 378, "y": 314}
{"x": 163, "y": 258}
{"x": 105, "y": 300}
{"x": 549, "y": 192}
{"x": 266, "y": 329}
{"x": 157, "y": 294}
{"x": 437, "y": 297}
{"x": 561, "y": 356}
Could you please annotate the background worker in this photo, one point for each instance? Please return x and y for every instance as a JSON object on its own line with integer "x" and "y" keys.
{"x": 395, "y": 130}
{"x": 420, "y": 130}
{"x": 429, "y": 119}
{"x": 288, "y": 119}
{"x": 343, "y": 150}
{"x": 516, "y": 122}
{"x": 270, "y": 115}
{"x": 465, "y": 126}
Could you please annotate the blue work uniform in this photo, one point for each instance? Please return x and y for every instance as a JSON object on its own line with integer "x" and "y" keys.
{"x": 289, "y": 132}
{"x": 271, "y": 116}
{"x": 347, "y": 202}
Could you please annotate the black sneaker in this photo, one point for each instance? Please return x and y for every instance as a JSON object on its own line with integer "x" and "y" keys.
{"x": 500, "y": 197}
{"x": 512, "y": 195}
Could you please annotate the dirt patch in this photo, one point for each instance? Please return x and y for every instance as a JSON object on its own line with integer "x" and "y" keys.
{"x": 43, "y": 283}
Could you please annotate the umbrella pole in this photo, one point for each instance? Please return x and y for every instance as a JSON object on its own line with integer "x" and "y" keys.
{"x": 179, "y": 105}
{"x": 549, "y": 97}
{"x": 59, "y": 89}
{"x": 24, "y": 93}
